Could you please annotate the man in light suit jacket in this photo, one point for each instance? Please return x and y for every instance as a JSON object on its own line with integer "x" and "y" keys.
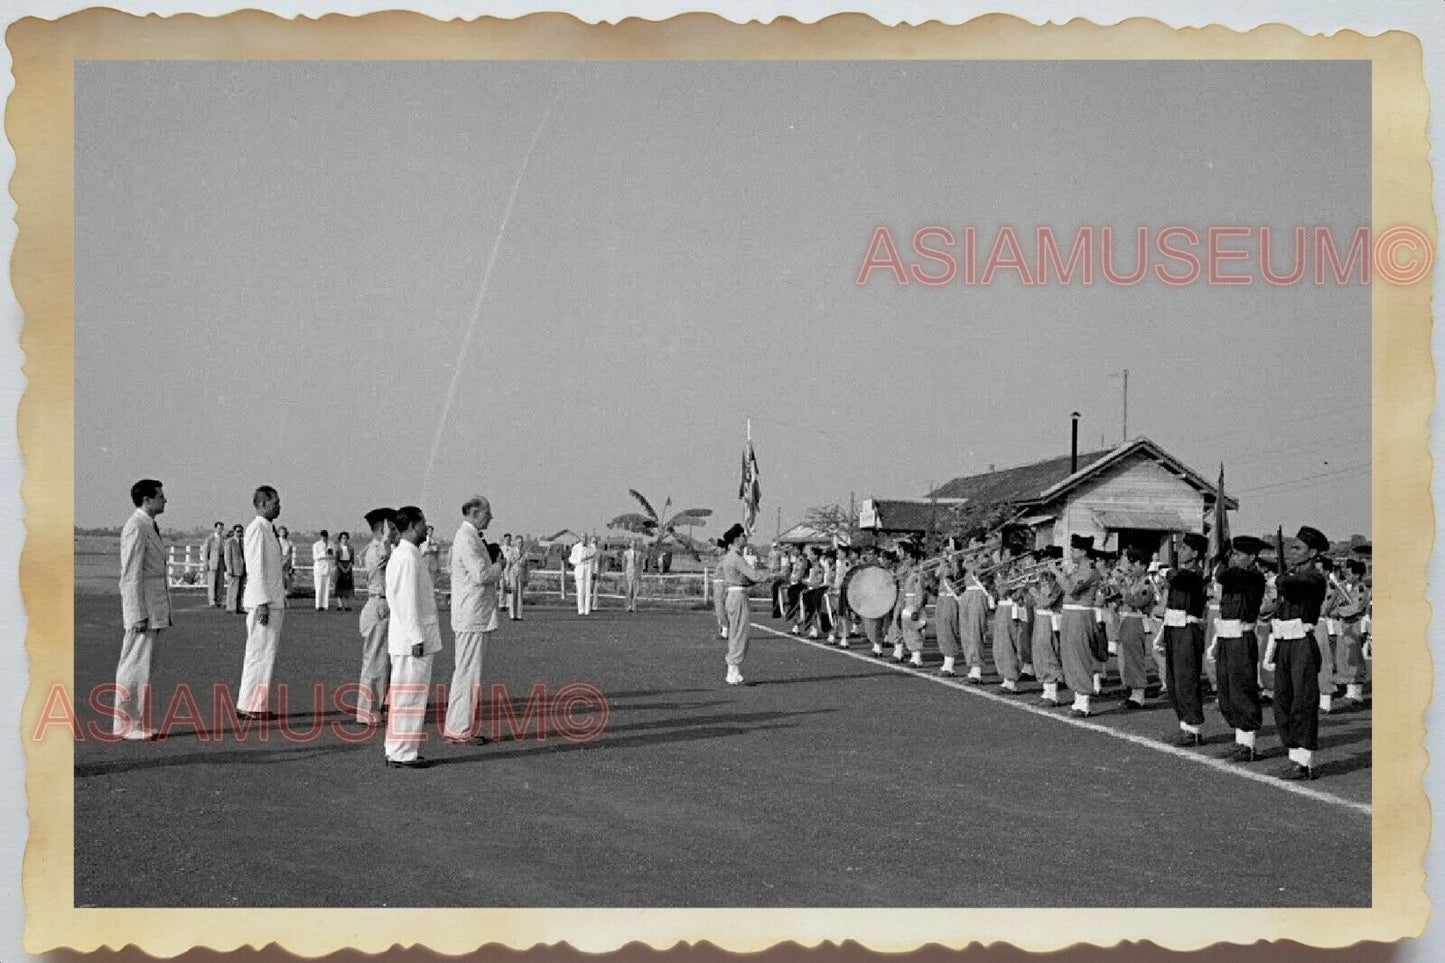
{"x": 265, "y": 602}
{"x": 145, "y": 603}
{"x": 235, "y": 559}
{"x": 475, "y": 577}
{"x": 213, "y": 560}
{"x": 413, "y": 638}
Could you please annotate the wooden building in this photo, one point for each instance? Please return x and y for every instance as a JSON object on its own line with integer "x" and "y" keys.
{"x": 1135, "y": 496}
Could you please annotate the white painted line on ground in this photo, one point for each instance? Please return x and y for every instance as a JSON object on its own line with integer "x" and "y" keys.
{"x": 1231, "y": 768}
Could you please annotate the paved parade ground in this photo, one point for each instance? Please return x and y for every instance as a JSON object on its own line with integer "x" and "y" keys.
{"x": 832, "y": 779}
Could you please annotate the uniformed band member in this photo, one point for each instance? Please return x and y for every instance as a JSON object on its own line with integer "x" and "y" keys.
{"x": 145, "y": 604}
{"x": 375, "y": 659}
{"x": 1235, "y": 647}
{"x": 265, "y": 603}
{"x": 1078, "y": 623}
{"x": 973, "y": 608}
{"x": 945, "y": 616}
{"x": 1354, "y": 603}
{"x": 414, "y": 637}
{"x": 737, "y": 576}
{"x": 1136, "y": 600}
{"x": 1292, "y": 653}
{"x": 793, "y": 593}
{"x": 912, "y": 600}
{"x": 1048, "y": 597}
{"x": 841, "y": 614}
{"x": 1183, "y": 639}
{"x": 1327, "y": 632}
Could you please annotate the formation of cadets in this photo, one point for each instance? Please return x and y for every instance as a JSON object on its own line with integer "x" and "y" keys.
{"x": 1296, "y": 636}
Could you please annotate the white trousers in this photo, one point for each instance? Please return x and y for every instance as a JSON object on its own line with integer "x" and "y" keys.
{"x": 133, "y": 681}
{"x": 514, "y": 601}
{"x": 463, "y": 696}
{"x": 321, "y": 579}
{"x": 375, "y": 668}
{"x": 410, "y": 679}
{"x": 261, "y": 644}
{"x": 584, "y": 591}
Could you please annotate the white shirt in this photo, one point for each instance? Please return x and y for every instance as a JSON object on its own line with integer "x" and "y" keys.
{"x": 413, "y": 603}
{"x": 264, "y": 584}
{"x": 319, "y": 551}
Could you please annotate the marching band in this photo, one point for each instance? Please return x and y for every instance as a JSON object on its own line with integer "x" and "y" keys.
{"x": 1287, "y": 631}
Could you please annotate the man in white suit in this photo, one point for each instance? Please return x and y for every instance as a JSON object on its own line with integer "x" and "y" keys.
{"x": 414, "y": 637}
{"x": 212, "y": 552}
{"x": 584, "y": 571}
{"x": 375, "y": 655}
{"x": 322, "y": 555}
{"x": 145, "y": 603}
{"x": 475, "y": 577}
{"x": 265, "y": 603}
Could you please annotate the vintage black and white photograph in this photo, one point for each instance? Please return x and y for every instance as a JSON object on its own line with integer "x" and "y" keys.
{"x": 724, "y": 483}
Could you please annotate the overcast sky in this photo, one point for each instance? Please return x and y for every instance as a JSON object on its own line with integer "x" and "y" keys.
{"x": 278, "y": 267}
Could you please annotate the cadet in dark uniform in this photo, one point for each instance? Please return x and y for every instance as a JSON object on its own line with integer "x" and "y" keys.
{"x": 1292, "y": 653}
{"x": 1183, "y": 636}
{"x": 1235, "y": 649}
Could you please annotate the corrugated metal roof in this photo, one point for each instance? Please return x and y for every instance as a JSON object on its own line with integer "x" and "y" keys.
{"x": 1015, "y": 484}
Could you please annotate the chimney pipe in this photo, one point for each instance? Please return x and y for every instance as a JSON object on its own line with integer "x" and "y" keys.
{"x": 1074, "y": 450}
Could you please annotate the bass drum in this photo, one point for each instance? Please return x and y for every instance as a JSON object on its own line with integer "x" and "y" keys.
{"x": 871, "y": 591}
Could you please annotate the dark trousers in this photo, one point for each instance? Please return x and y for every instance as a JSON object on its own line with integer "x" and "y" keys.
{"x": 792, "y": 600}
{"x": 1235, "y": 669}
{"x": 1297, "y": 692}
{"x": 815, "y": 607}
{"x": 1184, "y": 664}
{"x": 780, "y": 588}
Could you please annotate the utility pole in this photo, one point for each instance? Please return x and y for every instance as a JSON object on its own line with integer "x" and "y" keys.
{"x": 778, "y": 531}
{"x": 1126, "y": 405}
{"x": 1126, "y": 402}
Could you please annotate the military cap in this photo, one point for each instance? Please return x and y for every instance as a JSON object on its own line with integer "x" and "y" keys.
{"x": 1249, "y": 544}
{"x": 1313, "y": 538}
{"x": 1197, "y": 542}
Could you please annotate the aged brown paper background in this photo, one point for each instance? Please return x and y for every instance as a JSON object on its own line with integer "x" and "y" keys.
{"x": 39, "y": 123}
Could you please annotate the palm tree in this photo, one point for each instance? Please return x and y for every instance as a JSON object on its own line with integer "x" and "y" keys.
{"x": 659, "y": 527}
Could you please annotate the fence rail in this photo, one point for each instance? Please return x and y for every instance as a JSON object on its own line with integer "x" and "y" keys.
{"x": 187, "y": 571}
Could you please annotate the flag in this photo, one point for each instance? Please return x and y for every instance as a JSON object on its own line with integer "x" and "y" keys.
{"x": 1219, "y": 530}
{"x": 749, "y": 490}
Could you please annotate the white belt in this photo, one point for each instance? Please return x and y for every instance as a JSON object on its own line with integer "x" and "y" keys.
{"x": 1071, "y": 607}
{"x": 1131, "y": 615}
{"x": 1178, "y": 618}
{"x": 1333, "y": 626}
{"x": 737, "y": 588}
{"x": 1288, "y": 629}
{"x": 1232, "y": 628}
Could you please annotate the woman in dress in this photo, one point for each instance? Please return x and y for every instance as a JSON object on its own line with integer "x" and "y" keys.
{"x": 345, "y": 580}
{"x": 288, "y": 558}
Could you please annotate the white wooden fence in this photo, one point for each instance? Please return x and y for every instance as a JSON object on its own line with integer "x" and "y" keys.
{"x": 186, "y": 570}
